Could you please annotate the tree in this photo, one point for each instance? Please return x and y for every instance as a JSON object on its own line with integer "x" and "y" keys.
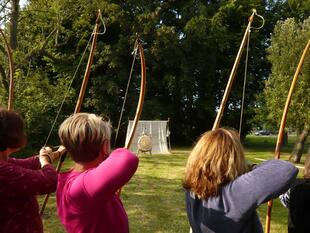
{"x": 190, "y": 47}
{"x": 9, "y": 11}
{"x": 288, "y": 41}
{"x": 191, "y": 56}
{"x": 37, "y": 95}
{"x": 14, "y": 23}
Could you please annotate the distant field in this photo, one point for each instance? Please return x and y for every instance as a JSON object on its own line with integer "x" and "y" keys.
{"x": 154, "y": 198}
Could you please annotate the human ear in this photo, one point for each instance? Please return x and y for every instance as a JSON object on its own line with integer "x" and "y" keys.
{"x": 105, "y": 148}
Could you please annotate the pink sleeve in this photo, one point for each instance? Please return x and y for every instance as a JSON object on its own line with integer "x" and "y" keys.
{"x": 30, "y": 163}
{"x": 21, "y": 181}
{"x": 111, "y": 174}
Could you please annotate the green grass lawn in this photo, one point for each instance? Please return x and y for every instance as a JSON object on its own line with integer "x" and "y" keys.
{"x": 154, "y": 198}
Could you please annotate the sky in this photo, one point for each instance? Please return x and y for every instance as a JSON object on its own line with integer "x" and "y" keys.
{"x": 22, "y": 2}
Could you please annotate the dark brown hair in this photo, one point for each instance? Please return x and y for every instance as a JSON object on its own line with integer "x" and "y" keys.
{"x": 11, "y": 130}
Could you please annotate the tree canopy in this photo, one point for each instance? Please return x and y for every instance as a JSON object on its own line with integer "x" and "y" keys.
{"x": 288, "y": 42}
{"x": 190, "y": 47}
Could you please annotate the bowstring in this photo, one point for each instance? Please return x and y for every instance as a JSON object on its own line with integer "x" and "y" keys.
{"x": 244, "y": 83}
{"x": 68, "y": 90}
{"x": 74, "y": 76}
{"x": 246, "y": 69}
{"x": 103, "y": 24}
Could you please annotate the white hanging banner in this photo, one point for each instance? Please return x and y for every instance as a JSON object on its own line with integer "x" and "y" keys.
{"x": 157, "y": 130}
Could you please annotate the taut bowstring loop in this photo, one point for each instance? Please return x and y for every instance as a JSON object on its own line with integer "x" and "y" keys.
{"x": 261, "y": 17}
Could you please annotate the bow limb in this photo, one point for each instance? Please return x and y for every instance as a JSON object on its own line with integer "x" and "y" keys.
{"x": 233, "y": 74}
{"x": 89, "y": 63}
{"x": 85, "y": 79}
{"x": 141, "y": 96}
{"x": 140, "y": 102}
{"x": 81, "y": 95}
{"x": 282, "y": 125}
{"x": 11, "y": 65}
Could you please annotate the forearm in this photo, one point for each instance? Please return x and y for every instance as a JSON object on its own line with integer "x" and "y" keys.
{"x": 23, "y": 181}
{"x": 270, "y": 179}
{"x": 265, "y": 182}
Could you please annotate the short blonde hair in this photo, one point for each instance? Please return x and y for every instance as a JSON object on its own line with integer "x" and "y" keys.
{"x": 83, "y": 134}
{"x": 216, "y": 159}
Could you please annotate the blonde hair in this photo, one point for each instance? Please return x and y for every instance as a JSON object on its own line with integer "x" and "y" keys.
{"x": 216, "y": 159}
{"x": 83, "y": 134}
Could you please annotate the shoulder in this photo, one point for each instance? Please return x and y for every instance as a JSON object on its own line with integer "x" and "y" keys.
{"x": 301, "y": 184}
{"x": 300, "y": 194}
{"x": 7, "y": 168}
{"x": 68, "y": 175}
{"x": 193, "y": 203}
{"x": 189, "y": 195}
{"x": 70, "y": 181}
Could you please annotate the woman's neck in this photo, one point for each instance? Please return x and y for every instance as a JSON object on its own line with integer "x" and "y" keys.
{"x": 81, "y": 167}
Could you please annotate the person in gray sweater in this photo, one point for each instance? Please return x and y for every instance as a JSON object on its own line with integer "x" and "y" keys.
{"x": 221, "y": 196}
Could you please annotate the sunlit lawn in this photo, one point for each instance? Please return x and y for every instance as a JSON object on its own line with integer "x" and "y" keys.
{"x": 262, "y": 147}
{"x": 154, "y": 198}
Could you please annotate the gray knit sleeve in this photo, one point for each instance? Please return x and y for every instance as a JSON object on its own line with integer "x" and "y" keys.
{"x": 266, "y": 182}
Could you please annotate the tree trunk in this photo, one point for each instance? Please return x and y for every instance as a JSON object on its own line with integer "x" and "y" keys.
{"x": 285, "y": 138}
{"x": 13, "y": 23}
{"x": 299, "y": 146}
{"x": 3, "y": 78}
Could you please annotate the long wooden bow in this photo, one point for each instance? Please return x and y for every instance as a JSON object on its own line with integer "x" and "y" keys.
{"x": 11, "y": 65}
{"x": 140, "y": 102}
{"x": 141, "y": 96}
{"x": 282, "y": 125}
{"x": 233, "y": 73}
{"x": 81, "y": 95}
{"x": 86, "y": 77}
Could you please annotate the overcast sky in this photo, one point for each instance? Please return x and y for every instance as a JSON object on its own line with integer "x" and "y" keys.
{"x": 23, "y": 2}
